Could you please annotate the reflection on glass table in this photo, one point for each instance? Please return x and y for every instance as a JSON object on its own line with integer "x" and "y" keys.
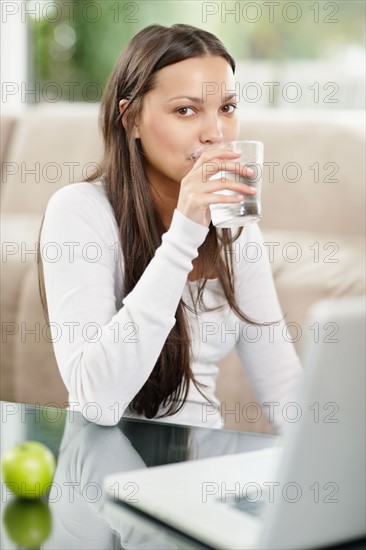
{"x": 77, "y": 513}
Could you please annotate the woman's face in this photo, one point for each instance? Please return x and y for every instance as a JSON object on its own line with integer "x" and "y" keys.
{"x": 172, "y": 124}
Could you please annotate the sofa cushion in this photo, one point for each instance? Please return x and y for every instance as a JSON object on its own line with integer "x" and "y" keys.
{"x": 36, "y": 375}
{"x": 7, "y": 125}
{"x": 51, "y": 147}
{"x": 19, "y": 235}
{"x": 314, "y": 169}
{"x": 10, "y": 281}
{"x": 308, "y": 267}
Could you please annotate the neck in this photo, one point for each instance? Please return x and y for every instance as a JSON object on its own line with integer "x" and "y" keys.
{"x": 165, "y": 193}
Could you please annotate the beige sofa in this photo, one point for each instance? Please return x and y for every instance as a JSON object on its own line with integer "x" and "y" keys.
{"x": 313, "y": 224}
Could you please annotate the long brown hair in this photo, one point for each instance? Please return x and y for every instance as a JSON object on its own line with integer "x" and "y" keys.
{"x": 138, "y": 219}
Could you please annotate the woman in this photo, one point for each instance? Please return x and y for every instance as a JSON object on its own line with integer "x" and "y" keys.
{"x": 146, "y": 295}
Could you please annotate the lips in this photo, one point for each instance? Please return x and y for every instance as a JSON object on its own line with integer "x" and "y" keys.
{"x": 195, "y": 155}
{"x": 198, "y": 152}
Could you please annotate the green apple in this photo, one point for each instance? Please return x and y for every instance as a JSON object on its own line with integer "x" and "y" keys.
{"x": 28, "y": 469}
{"x": 27, "y": 523}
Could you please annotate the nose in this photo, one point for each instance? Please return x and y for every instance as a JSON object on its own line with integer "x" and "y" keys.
{"x": 211, "y": 131}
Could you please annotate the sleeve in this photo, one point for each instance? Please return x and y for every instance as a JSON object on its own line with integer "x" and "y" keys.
{"x": 266, "y": 352}
{"x": 105, "y": 352}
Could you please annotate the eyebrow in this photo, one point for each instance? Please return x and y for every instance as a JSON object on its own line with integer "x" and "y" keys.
{"x": 199, "y": 100}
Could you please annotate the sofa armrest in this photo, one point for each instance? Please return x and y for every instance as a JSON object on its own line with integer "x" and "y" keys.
{"x": 36, "y": 375}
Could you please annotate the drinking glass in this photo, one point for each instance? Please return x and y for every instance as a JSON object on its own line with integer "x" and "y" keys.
{"x": 250, "y": 209}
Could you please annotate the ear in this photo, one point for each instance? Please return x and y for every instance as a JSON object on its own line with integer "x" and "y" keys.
{"x": 122, "y": 107}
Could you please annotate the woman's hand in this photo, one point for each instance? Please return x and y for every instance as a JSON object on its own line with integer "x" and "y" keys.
{"x": 197, "y": 192}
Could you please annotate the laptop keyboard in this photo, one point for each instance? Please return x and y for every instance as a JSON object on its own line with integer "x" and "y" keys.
{"x": 249, "y": 506}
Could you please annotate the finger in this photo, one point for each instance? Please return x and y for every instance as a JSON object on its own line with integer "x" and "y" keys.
{"x": 210, "y": 169}
{"x": 213, "y": 153}
{"x": 211, "y": 198}
{"x": 217, "y": 185}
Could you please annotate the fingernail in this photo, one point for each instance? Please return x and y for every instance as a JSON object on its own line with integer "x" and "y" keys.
{"x": 250, "y": 172}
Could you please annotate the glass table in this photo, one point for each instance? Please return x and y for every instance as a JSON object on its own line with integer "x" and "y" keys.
{"x": 76, "y": 512}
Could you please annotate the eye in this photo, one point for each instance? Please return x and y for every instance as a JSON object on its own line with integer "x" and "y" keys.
{"x": 183, "y": 111}
{"x": 233, "y": 106}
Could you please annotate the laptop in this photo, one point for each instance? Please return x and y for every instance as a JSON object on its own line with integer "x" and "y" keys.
{"x": 307, "y": 492}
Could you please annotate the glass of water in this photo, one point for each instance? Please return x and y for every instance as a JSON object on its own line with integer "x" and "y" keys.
{"x": 250, "y": 209}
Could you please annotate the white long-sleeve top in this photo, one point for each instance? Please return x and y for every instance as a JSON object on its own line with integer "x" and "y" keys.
{"x": 106, "y": 344}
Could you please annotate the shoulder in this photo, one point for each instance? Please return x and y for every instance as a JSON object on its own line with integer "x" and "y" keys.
{"x": 83, "y": 197}
{"x": 83, "y": 191}
{"x": 80, "y": 211}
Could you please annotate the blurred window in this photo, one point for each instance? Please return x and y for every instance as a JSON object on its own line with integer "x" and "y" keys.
{"x": 303, "y": 54}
